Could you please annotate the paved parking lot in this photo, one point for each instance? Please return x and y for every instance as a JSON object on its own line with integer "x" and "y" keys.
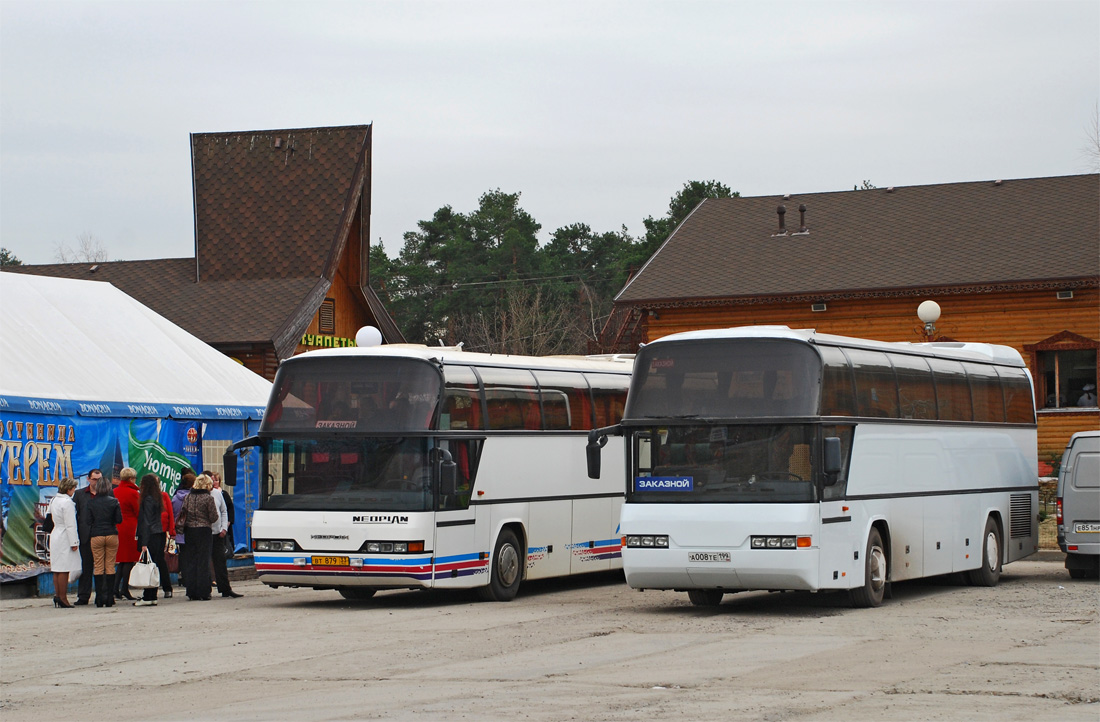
{"x": 1028, "y": 649}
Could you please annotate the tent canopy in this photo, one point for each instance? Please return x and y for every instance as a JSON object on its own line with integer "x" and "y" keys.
{"x": 69, "y": 346}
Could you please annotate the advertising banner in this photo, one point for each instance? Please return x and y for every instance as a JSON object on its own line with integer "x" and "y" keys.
{"x": 39, "y": 450}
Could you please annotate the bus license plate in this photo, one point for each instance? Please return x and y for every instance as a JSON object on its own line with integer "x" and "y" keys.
{"x": 709, "y": 557}
{"x": 330, "y": 561}
{"x": 1086, "y": 527}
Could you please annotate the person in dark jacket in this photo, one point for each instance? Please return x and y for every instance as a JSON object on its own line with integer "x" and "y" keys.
{"x": 104, "y": 516}
{"x": 150, "y": 531}
{"x": 197, "y": 515}
{"x": 186, "y": 482}
{"x": 83, "y": 528}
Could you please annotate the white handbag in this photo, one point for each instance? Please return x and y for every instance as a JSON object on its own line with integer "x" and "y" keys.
{"x": 145, "y": 574}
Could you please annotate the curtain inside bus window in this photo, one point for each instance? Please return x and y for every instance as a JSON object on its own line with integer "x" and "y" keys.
{"x": 1018, "y": 395}
{"x": 511, "y": 399}
{"x": 461, "y": 400}
{"x": 564, "y": 400}
{"x": 837, "y": 388}
{"x": 916, "y": 393}
{"x": 876, "y": 385}
{"x": 952, "y": 390}
{"x": 608, "y": 398}
{"x": 985, "y": 388}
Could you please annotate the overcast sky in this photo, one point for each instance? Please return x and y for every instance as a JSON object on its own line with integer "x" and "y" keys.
{"x": 597, "y": 112}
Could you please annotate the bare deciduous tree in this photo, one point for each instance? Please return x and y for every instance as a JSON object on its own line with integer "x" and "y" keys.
{"x": 524, "y": 324}
{"x": 1091, "y": 149}
{"x": 89, "y": 249}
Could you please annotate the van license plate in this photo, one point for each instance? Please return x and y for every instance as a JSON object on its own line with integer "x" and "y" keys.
{"x": 1087, "y": 527}
{"x": 330, "y": 561}
{"x": 709, "y": 557}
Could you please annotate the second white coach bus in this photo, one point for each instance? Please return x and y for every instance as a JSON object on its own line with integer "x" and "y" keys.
{"x": 765, "y": 458}
{"x": 416, "y": 467}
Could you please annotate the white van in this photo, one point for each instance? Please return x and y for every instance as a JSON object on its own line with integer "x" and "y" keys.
{"x": 1079, "y": 505}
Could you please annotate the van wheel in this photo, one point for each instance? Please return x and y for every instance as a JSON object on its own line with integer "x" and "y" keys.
{"x": 989, "y": 573}
{"x": 505, "y": 570}
{"x": 355, "y": 594}
{"x": 705, "y": 597}
{"x": 874, "y": 574}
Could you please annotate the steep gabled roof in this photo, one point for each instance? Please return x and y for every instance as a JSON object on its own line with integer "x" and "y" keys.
{"x": 272, "y": 203}
{"x": 916, "y": 237}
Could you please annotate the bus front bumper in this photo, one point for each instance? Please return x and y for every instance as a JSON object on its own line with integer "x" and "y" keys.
{"x": 729, "y": 569}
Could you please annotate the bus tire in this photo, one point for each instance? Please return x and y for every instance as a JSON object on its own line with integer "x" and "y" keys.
{"x": 355, "y": 594}
{"x": 705, "y": 597}
{"x": 505, "y": 569}
{"x": 989, "y": 573}
{"x": 874, "y": 573}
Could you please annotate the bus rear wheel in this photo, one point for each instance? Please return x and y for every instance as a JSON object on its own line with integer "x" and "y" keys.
{"x": 705, "y": 597}
{"x": 989, "y": 573}
{"x": 505, "y": 569}
{"x": 874, "y": 574}
{"x": 355, "y": 594}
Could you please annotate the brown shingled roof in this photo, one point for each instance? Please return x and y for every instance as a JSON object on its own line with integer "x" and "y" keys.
{"x": 955, "y": 234}
{"x": 270, "y": 203}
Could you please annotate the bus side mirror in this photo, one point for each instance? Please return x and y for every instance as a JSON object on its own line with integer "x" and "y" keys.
{"x": 229, "y": 468}
{"x": 448, "y": 474}
{"x": 832, "y": 460}
{"x": 596, "y": 442}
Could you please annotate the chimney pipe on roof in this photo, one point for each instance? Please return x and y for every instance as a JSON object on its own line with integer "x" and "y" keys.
{"x": 782, "y": 226}
{"x": 802, "y": 219}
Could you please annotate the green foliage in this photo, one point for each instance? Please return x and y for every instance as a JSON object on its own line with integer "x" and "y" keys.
{"x": 483, "y": 279}
{"x": 7, "y": 258}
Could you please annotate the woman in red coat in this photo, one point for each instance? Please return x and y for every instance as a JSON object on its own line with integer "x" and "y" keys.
{"x": 168, "y": 523}
{"x": 129, "y": 498}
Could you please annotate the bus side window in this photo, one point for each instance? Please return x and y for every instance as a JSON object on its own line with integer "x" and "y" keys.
{"x": 839, "y": 489}
{"x": 837, "y": 391}
{"x": 876, "y": 385}
{"x": 918, "y": 395}
{"x": 465, "y": 453}
{"x": 512, "y": 398}
{"x": 461, "y": 400}
{"x": 985, "y": 386}
{"x": 608, "y": 398}
{"x": 1019, "y": 402}
{"x": 952, "y": 390}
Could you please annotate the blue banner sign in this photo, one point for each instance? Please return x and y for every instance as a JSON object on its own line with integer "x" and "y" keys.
{"x": 664, "y": 483}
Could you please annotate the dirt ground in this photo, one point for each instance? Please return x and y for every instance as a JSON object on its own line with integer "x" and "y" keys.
{"x": 579, "y": 649}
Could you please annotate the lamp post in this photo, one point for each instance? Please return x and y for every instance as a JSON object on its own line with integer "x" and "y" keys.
{"x": 929, "y": 312}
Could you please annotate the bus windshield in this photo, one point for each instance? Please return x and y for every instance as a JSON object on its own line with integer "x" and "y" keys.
{"x": 760, "y": 463}
{"x": 725, "y": 378}
{"x": 349, "y": 474}
{"x": 361, "y": 394}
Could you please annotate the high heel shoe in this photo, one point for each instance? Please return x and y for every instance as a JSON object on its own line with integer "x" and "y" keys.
{"x": 56, "y": 602}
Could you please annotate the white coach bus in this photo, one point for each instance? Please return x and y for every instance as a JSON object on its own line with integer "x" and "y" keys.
{"x": 765, "y": 458}
{"x": 416, "y": 467}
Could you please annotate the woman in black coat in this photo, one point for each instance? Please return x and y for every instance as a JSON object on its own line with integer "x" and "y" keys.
{"x": 105, "y": 515}
{"x": 150, "y": 532}
{"x": 196, "y": 515}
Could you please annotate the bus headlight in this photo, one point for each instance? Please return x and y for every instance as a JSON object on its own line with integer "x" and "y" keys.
{"x": 273, "y": 545}
{"x": 646, "y": 541}
{"x": 381, "y": 547}
{"x": 781, "y": 542}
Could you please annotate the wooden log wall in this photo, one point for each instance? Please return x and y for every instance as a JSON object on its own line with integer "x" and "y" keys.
{"x": 1012, "y": 319}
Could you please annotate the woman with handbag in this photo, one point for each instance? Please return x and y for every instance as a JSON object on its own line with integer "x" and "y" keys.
{"x": 196, "y": 516}
{"x": 105, "y": 515}
{"x": 150, "y": 532}
{"x": 186, "y": 482}
{"x": 168, "y": 523}
{"x": 64, "y": 542}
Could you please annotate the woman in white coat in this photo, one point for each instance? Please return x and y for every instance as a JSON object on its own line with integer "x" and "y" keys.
{"x": 64, "y": 541}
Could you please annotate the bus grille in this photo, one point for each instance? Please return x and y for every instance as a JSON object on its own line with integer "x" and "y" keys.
{"x": 1020, "y": 524}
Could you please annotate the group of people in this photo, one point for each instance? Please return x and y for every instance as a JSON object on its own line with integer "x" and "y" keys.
{"x": 105, "y": 528}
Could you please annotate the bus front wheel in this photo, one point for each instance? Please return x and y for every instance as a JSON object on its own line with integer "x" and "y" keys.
{"x": 874, "y": 576}
{"x": 505, "y": 569}
{"x": 705, "y": 597}
{"x": 989, "y": 573}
